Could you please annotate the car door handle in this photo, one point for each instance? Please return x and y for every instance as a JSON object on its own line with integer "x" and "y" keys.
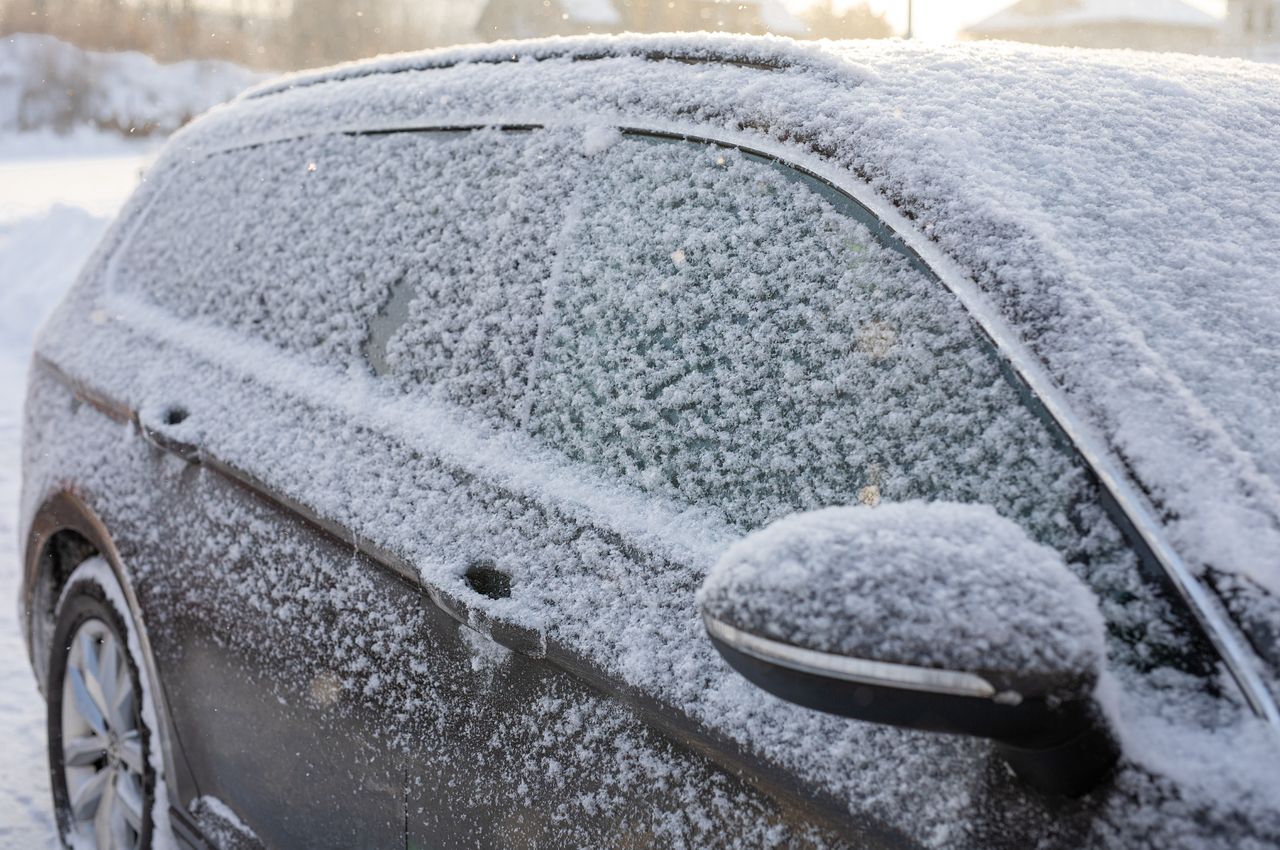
{"x": 168, "y": 428}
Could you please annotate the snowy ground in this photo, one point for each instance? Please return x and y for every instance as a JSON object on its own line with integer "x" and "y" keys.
{"x": 56, "y": 195}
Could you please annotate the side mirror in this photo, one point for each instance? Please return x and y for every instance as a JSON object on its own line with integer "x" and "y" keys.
{"x": 940, "y": 617}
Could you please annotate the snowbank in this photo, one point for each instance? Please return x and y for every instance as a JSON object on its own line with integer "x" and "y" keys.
{"x": 39, "y": 257}
{"x": 40, "y": 254}
{"x": 46, "y": 83}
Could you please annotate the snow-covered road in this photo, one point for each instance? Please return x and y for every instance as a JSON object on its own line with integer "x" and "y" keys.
{"x": 55, "y": 200}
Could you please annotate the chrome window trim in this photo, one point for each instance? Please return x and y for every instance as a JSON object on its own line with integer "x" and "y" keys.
{"x": 862, "y": 671}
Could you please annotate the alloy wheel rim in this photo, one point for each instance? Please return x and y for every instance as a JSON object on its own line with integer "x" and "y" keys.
{"x": 103, "y": 757}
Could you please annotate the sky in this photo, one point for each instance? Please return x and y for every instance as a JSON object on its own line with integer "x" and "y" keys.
{"x": 939, "y": 19}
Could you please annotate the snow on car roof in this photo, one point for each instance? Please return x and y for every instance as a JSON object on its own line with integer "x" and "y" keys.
{"x": 1122, "y": 210}
{"x": 764, "y": 51}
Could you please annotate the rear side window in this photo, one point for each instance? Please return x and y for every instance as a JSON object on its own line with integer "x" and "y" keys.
{"x": 419, "y": 255}
{"x": 726, "y": 330}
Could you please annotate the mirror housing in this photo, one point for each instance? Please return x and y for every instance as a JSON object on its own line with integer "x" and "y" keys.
{"x": 938, "y": 617}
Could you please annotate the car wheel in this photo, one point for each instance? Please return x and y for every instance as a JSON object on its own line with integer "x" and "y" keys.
{"x": 99, "y": 745}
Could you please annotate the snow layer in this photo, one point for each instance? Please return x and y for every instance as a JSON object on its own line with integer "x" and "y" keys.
{"x": 632, "y": 349}
{"x": 1119, "y": 209}
{"x": 49, "y": 84}
{"x": 219, "y": 824}
{"x": 954, "y": 587}
{"x": 991, "y": 151}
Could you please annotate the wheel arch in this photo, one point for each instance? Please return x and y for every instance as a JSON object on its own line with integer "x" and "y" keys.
{"x": 65, "y": 532}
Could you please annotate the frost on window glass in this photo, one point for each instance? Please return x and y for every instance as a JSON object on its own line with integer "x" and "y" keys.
{"x": 688, "y": 319}
{"x": 417, "y": 255}
{"x": 725, "y": 331}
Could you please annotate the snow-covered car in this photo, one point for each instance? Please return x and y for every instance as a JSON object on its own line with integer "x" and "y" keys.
{"x": 433, "y": 442}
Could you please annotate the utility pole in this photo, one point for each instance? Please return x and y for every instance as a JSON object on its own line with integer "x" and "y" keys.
{"x": 909, "y": 18}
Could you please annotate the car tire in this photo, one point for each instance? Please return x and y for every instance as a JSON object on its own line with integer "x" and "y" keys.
{"x": 101, "y": 771}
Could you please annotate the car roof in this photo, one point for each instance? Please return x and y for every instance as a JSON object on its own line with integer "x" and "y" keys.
{"x": 1120, "y": 210}
{"x": 760, "y": 53}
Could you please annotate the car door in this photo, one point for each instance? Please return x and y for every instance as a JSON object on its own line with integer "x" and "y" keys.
{"x": 266, "y": 668}
{"x": 722, "y": 340}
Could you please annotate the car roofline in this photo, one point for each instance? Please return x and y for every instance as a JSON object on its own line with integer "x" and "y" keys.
{"x": 758, "y": 53}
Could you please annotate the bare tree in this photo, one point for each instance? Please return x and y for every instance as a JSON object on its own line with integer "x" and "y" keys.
{"x": 859, "y": 21}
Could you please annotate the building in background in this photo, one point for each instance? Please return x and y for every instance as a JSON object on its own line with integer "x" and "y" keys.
{"x": 1253, "y": 29}
{"x": 1136, "y": 24}
{"x": 535, "y": 18}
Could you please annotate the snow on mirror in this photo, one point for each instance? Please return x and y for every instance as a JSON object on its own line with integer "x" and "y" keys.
{"x": 934, "y": 616}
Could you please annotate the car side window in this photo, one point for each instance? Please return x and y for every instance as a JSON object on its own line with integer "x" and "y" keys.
{"x": 420, "y": 256}
{"x": 726, "y": 331}
{"x": 732, "y": 333}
